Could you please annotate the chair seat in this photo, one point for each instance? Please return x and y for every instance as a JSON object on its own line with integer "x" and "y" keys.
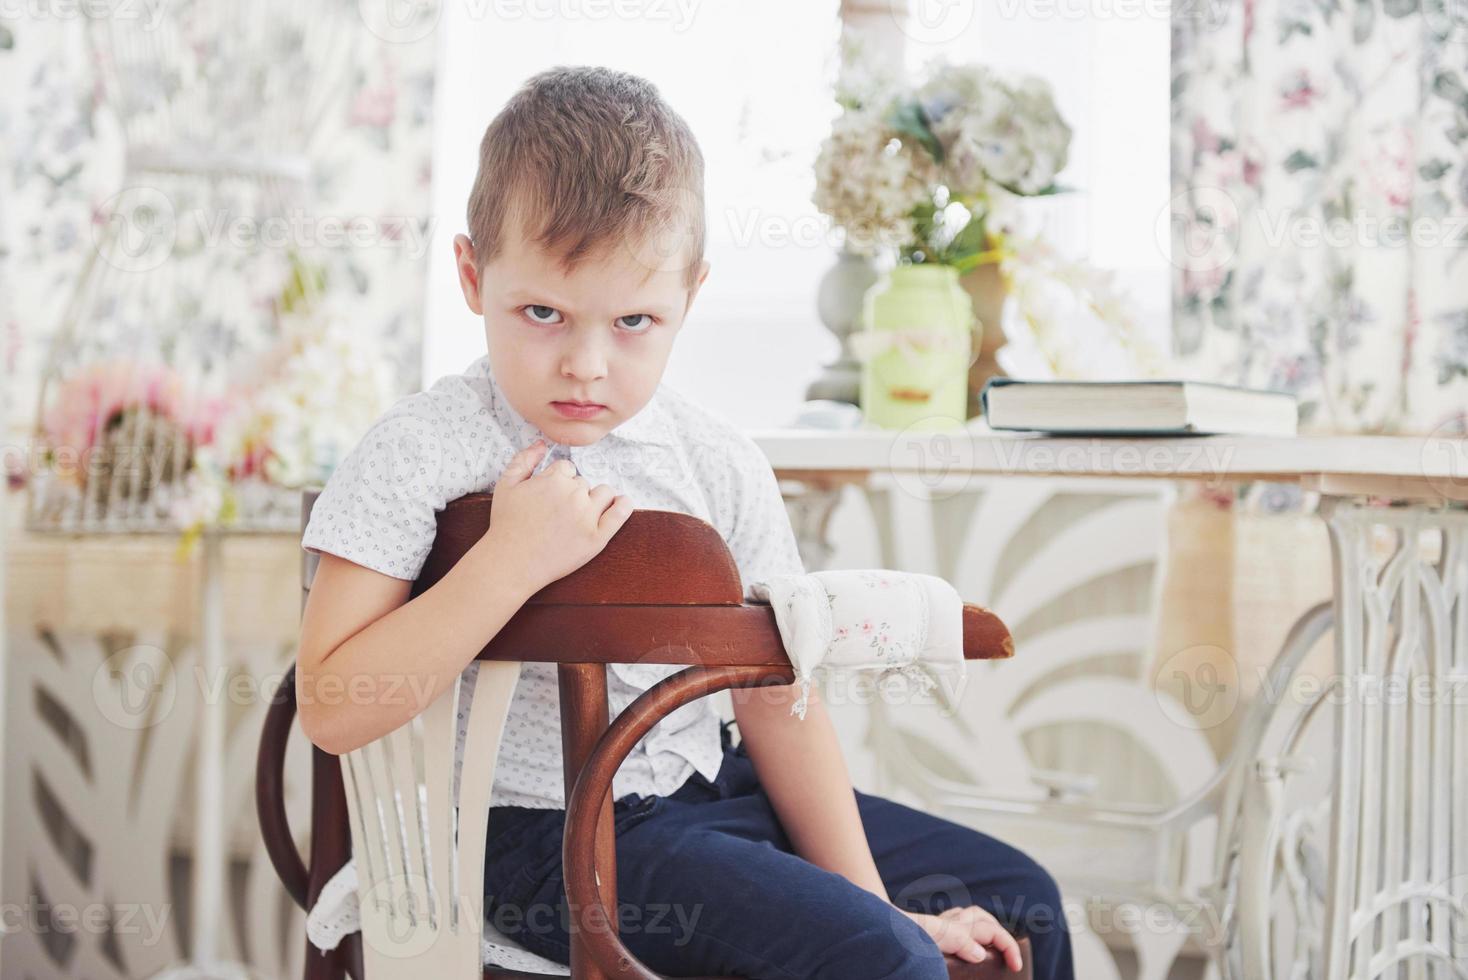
{"x": 501, "y": 953}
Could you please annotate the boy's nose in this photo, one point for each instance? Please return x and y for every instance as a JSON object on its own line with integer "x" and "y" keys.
{"x": 585, "y": 362}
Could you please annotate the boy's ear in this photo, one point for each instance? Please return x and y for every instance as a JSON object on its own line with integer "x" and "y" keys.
{"x": 703, "y": 273}
{"x": 468, "y": 268}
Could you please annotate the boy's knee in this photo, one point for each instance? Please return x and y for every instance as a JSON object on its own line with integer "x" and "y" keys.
{"x": 872, "y": 940}
{"x": 896, "y": 949}
{"x": 1039, "y": 904}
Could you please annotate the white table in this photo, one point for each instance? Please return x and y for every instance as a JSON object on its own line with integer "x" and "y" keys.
{"x": 1398, "y": 865}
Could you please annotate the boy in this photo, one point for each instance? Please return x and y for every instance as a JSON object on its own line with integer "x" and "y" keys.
{"x": 584, "y": 256}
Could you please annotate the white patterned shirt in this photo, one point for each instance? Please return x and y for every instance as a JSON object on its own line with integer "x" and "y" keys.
{"x": 378, "y": 509}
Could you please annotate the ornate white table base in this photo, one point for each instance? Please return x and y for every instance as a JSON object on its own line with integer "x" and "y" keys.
{"x": 1398, "y": 890}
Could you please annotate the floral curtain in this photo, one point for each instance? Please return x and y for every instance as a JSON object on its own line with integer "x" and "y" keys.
{"x": 61, "y": 162}
{"x": 1320, "y": 208}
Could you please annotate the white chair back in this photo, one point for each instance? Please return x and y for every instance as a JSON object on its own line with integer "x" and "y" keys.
{"x": 420, "y": 879}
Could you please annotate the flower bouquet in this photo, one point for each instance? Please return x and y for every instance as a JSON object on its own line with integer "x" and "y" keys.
{"x": 921, "y": 170}
{"x": 923, "y": 173}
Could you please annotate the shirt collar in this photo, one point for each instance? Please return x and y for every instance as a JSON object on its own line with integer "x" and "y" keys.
{"x": 652, "y": 424}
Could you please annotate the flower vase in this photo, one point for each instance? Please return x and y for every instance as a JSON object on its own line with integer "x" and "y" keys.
{"x": 915, "y": 346}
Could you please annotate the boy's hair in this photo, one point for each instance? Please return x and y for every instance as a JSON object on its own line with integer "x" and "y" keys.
{"x": 586, "y": 158}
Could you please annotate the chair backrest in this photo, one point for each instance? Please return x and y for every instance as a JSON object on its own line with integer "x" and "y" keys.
{"x": 420, "y": 880}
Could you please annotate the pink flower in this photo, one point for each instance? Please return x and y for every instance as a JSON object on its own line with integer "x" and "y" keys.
{"x": 842, "y": 632}
{"x": 376, "y": 107}
{"x": 1301, "y": 93}
{"x": 867, "y": 627}
{"x": 87, "y": 402}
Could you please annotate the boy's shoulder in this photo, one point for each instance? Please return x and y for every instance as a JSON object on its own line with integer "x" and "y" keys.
{"x": 707, "y": 434}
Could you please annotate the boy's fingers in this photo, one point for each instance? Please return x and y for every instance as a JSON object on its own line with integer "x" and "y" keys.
{"x": 986, "y": 930}
{"x": 995, "y": 935}
{"x": 614, "y": 517}
{"x": 522, "y": 463}
{"x": 955, "y": 937}
{"x": 602, "y": 496}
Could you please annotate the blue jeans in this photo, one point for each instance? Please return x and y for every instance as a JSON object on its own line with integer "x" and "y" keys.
{"x": 709, "y": 884}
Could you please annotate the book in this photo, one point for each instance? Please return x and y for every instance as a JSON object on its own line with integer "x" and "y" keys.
{"x": 1137, "y": 408}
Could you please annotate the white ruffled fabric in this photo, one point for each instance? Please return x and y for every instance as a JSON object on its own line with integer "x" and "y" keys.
{"x": 335, "y": 916}
{"x": 905, "y": 626}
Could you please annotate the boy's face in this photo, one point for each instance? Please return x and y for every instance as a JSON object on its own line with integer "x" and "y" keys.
{"x": 601, "y": 333}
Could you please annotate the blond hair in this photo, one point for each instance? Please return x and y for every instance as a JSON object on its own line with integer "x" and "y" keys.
{"x": 585, "y": 158}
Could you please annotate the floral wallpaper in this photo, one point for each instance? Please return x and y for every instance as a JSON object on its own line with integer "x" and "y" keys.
{"x": 1320, "y": 208}
{"x": 63, "y": 147}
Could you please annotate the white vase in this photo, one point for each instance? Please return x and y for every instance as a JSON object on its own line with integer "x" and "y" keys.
{"x": 838, "y": 302}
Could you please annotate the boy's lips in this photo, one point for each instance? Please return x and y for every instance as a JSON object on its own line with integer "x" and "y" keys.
{"x": 578, "y": 410}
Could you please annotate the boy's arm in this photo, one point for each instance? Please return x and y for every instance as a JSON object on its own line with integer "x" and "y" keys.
{"x": 801, "y": 767}
{"x": 802, "y": 770}
{"x": 370, "y": 660}
{"x": 358, "y": 625}
{"x": 800, "y": 763}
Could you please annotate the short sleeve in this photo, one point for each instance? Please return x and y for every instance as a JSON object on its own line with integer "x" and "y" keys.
{"x": 761, "y": 540}
{"x": 379, "y": 506}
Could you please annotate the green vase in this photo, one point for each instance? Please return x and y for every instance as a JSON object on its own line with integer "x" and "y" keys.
{"x": 915, "y": 345}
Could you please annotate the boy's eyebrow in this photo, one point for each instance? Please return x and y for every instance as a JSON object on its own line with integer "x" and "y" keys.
{"x": 535, "y": 296}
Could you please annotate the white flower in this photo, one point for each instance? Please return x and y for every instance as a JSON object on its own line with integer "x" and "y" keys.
{"x": 868, "y": 181}
{"x": 319, "y": 391}
{"x": 995, "y": 131}
{"x": 1066, "y": 319}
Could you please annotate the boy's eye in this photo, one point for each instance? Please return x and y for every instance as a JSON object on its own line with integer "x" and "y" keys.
{"x": 543, "y": 314}
{"x": 636, "y": 322}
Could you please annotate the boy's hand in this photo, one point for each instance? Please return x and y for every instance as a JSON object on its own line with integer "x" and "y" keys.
{"x": 552, "y": 523}
{"x": 965, "y": 931}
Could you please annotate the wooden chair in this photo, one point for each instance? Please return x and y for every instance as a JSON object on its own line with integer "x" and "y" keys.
{"x": 665, "y": 590}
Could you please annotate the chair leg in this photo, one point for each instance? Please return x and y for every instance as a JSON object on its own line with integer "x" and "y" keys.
{"x": 330, "y": 848}
{"x": 585, "y": 715}
{"x": 323, "y": 964}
